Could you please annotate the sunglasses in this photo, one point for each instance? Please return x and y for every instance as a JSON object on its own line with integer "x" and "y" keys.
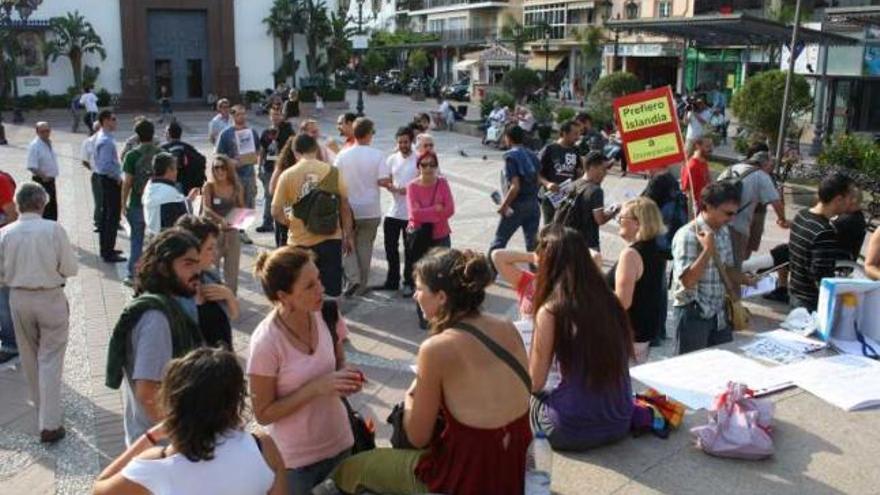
{"x": 219, "y": 167}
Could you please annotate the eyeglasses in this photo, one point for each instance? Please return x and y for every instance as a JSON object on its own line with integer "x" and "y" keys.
{"x": 428, "y": 165}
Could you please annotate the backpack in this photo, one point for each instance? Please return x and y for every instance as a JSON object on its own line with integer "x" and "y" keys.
{"x": 143, "y": 169}
{"x": 736, "y": 179}
{"x": 319, "y": 209}
{"x": 569, "y": 213}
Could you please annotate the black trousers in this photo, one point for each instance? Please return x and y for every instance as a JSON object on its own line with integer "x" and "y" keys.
{"x": 111, "y": 208}
{"x": 51, "y": 211}
{"x": 395, "y": 230}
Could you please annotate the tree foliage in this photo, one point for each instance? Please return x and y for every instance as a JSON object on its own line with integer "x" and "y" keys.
{"x": 606, "y": 90}
{"x": 418, "y": 61}
{"x": 285, "y": 20}
{"x": 374, "y": 62}
{"x": 318, "y": 30}
{"x": 521, "y": 82}
{"x": 339, "y": 46}
{"x": 758, "y": 103}
{"x": 73, "y": 37}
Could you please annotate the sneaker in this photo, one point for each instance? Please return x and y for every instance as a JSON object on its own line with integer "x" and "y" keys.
{"x": 244, "y": 237}
{"x": 7, "y": 356}
{"x": 52, "y": 436}
{"x": 265, "y": 229}
{"x": 407, "y": 290}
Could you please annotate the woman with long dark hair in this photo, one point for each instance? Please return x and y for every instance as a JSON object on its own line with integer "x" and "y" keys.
{"x": 579, "y": 323}
{"x": 204, "y": 448}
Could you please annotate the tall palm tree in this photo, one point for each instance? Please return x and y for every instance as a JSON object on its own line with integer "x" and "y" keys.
{"x": 318, "y": 31}
{"x": 9, "y": 46}
{"x": 285, "y": 20}
{"x": 514, "y": 33}
{"x": 339, "y": 45}
{"x": 74, "y": 37}
{"x": 590, "y": 40}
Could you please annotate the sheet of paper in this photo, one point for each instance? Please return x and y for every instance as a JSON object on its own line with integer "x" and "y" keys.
{"x": 765, "y": 285}
{"x": 773, "y": 351}
{"x": 695, "y": 379}
{"x": 557, "y": 197}
{"x": 794, "y": 341}
{"x": 244, "y": 138}
{"x": 854, "y": 347}
{"x": 241, "y": 218}
{"x": 846, "y": 381}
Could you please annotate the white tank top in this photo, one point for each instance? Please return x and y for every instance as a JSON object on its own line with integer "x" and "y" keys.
{"x": 238, "y": 468}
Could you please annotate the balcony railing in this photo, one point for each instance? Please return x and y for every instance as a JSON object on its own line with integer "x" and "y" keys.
{"x": 462, "y": 35}
{"x": 433, "y": 4}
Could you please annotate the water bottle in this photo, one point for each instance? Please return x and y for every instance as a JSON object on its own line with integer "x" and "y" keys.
{"x": 539, "y": 465}
{"x": 845, "y": 329}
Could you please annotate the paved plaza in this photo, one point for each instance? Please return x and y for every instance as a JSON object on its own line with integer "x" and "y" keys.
{"x": 820, "y": 450}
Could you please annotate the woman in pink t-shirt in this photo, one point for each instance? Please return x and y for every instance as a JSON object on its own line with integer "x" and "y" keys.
{"x": 294, "y": 383}
{"x": 428, "y": 201}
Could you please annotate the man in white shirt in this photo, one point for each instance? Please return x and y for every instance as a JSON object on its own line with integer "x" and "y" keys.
{"x": 697, "y": 119}
{"x": 90, "y": 101}
{"x": 402, "y": 165}
{"x": 43, "y": 164}
{"x": 365, "y": 171}
{"x": 220, "y": 121}
{"x": 35, "y": 260}
{"x": 87, "y": 157}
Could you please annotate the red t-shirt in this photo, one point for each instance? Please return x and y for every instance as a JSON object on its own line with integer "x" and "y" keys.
{"x": 7, "y": 189}
{"x": 695, "y": 175}
{"x": 525, "y": 292}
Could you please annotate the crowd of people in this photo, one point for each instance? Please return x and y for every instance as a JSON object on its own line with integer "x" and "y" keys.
{"x": 483, "y": 384}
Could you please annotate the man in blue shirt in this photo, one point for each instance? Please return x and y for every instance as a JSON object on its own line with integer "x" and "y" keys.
{"x": 110, "y": 171}
{"x": 519, "y": 207}
{"x": 242, "y": 144}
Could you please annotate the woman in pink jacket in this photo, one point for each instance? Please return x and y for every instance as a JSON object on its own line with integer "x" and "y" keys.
{"x": 430, "y": 204}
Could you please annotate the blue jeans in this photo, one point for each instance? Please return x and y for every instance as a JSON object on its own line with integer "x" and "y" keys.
{"x": 267, "y": 199}
{"x": 526, "y": 215}
{"x": 7, "y": 330}
{"x": 135, "y": 217}
{"x": 303, "y": 479}
{"x": 248, "y": 179}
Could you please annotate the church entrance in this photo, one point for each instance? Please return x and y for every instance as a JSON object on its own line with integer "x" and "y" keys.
{"x": 178, "y": 51}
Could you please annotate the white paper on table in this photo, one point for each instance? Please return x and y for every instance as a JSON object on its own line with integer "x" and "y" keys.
{"x": 846, "y": 381}
{"x": 794, "y": 341}
{"x": 241, "y": 218}
{"x": 765, "y": 285}
{"x": 772, "y": 351}
{"x": 695, "y": 379}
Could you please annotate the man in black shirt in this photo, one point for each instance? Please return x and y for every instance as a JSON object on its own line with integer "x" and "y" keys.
{"x": 814, "y": 246}
{"x": 591, "y": 139}
{"x": 591, "y": 212}
{"x": 190, "y": 163}
{"x": 559, "y": 162}
{"x": 271, "y": 142}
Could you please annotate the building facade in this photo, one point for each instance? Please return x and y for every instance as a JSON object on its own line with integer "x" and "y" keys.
{"x": 195, "y": 48}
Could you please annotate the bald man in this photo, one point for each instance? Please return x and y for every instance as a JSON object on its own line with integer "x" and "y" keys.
{"x": 42, "y": 162}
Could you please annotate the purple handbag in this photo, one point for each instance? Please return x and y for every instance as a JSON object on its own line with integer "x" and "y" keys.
{"x": 739, "y": 425}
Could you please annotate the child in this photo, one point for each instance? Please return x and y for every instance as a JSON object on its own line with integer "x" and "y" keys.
{"x": 319, "y": 105}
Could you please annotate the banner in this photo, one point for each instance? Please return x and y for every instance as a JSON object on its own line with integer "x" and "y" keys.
{"x": 649, "y": 129}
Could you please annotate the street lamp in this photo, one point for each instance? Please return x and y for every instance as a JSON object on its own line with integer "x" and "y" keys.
{"x": 605, "y": 8}
{"x": 547, "y": 57}
{"x": 360, "y": 70}
{"x": 24, "y": 8}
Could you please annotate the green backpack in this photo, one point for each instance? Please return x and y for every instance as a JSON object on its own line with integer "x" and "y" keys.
{"x": 319, "y": 209}
{"x": 143, "y": 169}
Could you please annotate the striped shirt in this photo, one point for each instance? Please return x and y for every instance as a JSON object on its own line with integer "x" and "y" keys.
{"x": 814, "y": 249}
{"x": 686, "y": 248}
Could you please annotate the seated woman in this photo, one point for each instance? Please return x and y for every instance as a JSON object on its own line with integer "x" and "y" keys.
{"x": 206, "y": 449}
{"x": 639, "y": 275}
{"x": 580, "y": 324}
{"x": 218, "y": 306}
{"x": 294, "y": 383}
{"x": 484, "y": 402}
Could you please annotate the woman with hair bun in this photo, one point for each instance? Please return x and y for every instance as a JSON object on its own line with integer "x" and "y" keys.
{"x": 207, "y": 450}
{"x": 296, "y": 370}
{"x": 482, "y": 398}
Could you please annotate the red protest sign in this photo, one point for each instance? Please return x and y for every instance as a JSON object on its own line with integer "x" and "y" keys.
{"x": 649, "y": 129}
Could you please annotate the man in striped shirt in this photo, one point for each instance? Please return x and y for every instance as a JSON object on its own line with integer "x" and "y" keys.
{"x": 814, "y": 245}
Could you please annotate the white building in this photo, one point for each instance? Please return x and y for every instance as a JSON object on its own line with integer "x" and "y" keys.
{"x": 196, "y": 48}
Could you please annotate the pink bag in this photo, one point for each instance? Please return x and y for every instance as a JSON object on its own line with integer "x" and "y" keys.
{"x": 739, "y": 425}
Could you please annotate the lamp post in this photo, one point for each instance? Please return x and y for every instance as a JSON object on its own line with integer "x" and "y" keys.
{"x": 360, "y": 70}
{"x": 547, "y": 57}
{"x": 786, "y": 95}
{"x": 605, "y": 9}
{"x": 24, "y": 8}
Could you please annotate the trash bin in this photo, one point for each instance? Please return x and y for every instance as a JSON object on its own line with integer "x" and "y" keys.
{"x": 462, "y": 111}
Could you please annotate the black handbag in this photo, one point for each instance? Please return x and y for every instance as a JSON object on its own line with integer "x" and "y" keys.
{"x": 399, "y": 439}
{"x": 364, "y": 434}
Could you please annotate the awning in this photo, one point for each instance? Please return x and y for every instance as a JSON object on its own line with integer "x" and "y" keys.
{"x": 464, "y": 65}
{"x": 727, "y": 30}
{"x": 542, "y": 62}
{"x": 868, "y": 14}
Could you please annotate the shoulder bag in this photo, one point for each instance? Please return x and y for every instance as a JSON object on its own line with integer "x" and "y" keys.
{"x": 739, "y": 315}
{"x": 395, "y": 419}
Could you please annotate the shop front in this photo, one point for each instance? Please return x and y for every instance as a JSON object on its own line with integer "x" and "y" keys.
{"x": 655, "y": 64}
{"x": 710, "y": 69}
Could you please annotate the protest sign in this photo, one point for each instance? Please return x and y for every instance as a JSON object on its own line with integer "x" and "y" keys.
{"x": 649, "y": 129}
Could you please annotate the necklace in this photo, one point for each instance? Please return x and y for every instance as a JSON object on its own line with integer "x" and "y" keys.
{"x": 290, "y": 331}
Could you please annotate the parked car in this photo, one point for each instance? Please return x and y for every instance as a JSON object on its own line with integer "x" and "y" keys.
{"x": 459, "y": 90}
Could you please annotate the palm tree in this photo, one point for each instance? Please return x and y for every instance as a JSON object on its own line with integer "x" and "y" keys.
{"x": 339, "y": 46}
{"x": 514, "y": 33}
{"x": 9, "y": 46}
{"x": 590, "y": 41}
{"x": 285, "y": 21}
{"x": 318, "y": 31}
{"x": 74, "y": 37}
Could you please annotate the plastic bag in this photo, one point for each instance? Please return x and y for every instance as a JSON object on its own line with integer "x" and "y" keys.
{"x": 739, "y": 425}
